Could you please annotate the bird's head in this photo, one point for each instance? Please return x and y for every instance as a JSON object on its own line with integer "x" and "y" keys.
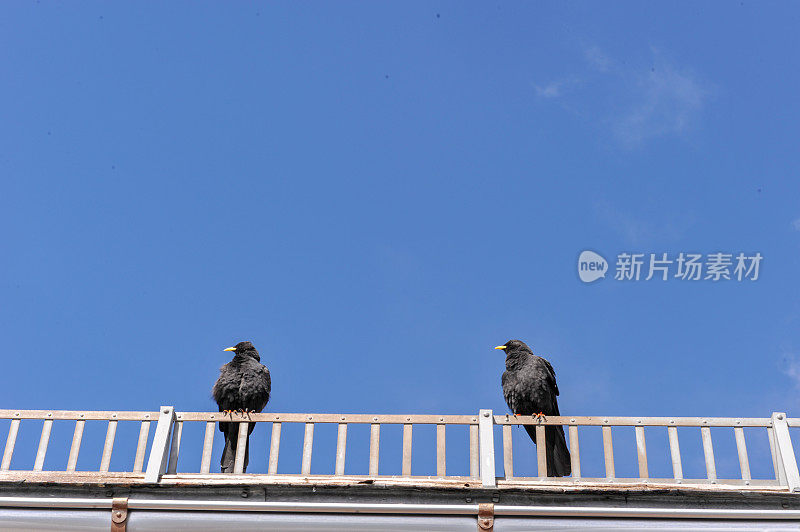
{"x": 513, "y": 347}
{"x": 517, "y": 353}
{"x": 244, "y": 349}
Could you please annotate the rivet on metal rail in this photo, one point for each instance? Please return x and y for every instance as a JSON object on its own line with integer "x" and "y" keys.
{"x": 486, "y": 516}
{"x": 119, "y": 514}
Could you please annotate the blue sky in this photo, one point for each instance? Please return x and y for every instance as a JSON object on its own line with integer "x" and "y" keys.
{"x": 376, "y": 194}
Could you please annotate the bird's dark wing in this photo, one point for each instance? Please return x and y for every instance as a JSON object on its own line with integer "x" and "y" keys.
{"x": 508, "y": 381}
{"x": 254, "y": 386}
{"x": 267, "y": 379}
{"x": 552, "y": 378}
{"x": 226, "y": 389}
{"x": 261, "y": 388}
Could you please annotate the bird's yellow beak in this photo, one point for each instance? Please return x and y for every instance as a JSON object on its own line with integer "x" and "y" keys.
{"x": 500, "y": 347}
{"x": 229, "y": 349}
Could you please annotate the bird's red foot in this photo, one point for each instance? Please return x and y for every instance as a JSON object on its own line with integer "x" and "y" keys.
{"x": 227, "y": 412}
{"x": 540, "y": 417}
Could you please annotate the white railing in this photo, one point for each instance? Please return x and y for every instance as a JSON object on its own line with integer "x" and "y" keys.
{"x": 165, "y": 447}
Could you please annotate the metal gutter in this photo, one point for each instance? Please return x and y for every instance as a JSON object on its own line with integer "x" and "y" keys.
{"x": 400, "y": 509}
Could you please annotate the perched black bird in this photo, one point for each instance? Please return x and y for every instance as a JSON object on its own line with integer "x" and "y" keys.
{"x": 529, "y": 387}
{"x": 244, "y": 385}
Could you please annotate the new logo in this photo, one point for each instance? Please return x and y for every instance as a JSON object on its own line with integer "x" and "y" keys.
{"x": 591, "y": 266}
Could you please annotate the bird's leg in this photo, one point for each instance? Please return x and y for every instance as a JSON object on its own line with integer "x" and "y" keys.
{"x": 227, "y": 412}
{"x": 540, "y": 417}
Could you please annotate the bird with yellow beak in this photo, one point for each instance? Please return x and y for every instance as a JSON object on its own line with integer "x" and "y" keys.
{"x": 244, "y": 385}
{"x": 529, "y": 388}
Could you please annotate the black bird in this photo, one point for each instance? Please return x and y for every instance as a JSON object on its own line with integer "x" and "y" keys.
{"x": 243, "y": 385}
{"x": 529, "y": 387}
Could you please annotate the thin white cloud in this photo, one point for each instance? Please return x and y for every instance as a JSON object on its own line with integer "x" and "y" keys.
{"x": 634, "y": 103}
{"x": 791, "y": 368}
{"x": 551, "y": 90}
{"x": 667, "y": 101}
{"x": 636, "y": 231}
{"x": 632, "y": 230}
{"x": 597, "y": 59}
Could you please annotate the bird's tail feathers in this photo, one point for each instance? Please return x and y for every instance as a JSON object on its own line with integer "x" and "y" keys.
{"x": 557, "y": 454}
{"x": 228, "y": 460}
{"x": 561, "y": 462}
